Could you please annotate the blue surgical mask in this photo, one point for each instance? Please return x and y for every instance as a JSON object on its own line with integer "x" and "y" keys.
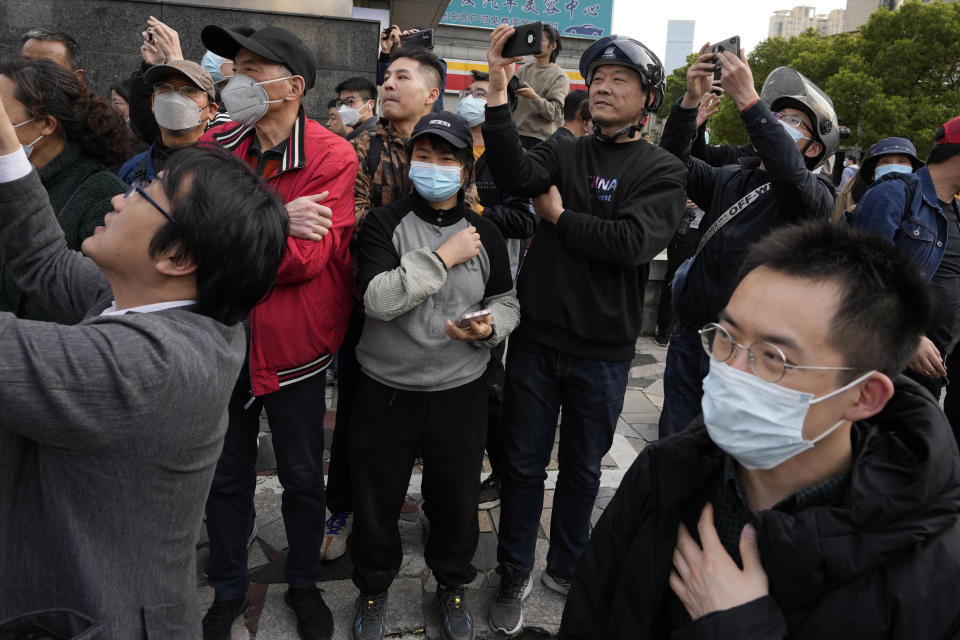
{"x": 759, "y": 423}
{"x": 28, "y": 148}
{"x": 434, "y": 182}
{"x": 891, "y": 168}
{"x": 795, "y": 133}
{"x": 471, "y": 110}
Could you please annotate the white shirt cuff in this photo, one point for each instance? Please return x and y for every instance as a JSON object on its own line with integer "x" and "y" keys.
{"x": 14, "y": 166}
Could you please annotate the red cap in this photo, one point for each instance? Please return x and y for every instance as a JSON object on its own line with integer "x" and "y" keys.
{"x": 949, "y": 132}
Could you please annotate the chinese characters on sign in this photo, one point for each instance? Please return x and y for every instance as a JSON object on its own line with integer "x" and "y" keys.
{"x": 575, "y": 18}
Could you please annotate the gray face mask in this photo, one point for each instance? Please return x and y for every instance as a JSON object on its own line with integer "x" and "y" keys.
{"x": 175, "y": 113}
{"x": 28, "y": 148}
{"x": 246, "y": 101}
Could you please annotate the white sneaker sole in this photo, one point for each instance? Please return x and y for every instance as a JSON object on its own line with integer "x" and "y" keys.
{"x": 517, "y": 629}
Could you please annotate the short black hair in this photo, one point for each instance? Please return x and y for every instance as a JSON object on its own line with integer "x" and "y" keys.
{"x": 428, "y": 63}
{"x": 571, "y": 104}
{"x": 885, "y": 305}
{"x": 73, "y": 49}
{"x": 554, "y": 37}
{"x": 361, "y": 85}
{"x": 940, "y": 153}
{"x": 852, "y": 156}
{"x": 231, "y": 225}
{"x": 585, "y": 111}
{"x": 333, "y": 104}
{"x": 464, "y": 155}
{"x": 480, "y": 76}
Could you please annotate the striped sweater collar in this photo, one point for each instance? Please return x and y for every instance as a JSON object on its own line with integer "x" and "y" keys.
{"x": 293, "y": 157}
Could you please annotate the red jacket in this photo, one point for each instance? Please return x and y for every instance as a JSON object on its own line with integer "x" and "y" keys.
{"x": 296, "y": 329}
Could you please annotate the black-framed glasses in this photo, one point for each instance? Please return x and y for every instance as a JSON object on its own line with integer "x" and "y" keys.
{"x": 766, "y": 360}
{"x": 187, "y": 90}
{"x": 137, "y": 187}
{"x": 352, "y": 102}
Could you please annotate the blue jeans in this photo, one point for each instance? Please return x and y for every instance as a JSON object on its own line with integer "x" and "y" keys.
{"x": 296, "y": 425}
{"x": 687, "y": 366}
{"x": 539, "y": 380}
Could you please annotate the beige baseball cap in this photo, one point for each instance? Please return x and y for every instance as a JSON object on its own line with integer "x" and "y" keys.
{"x": 188, "y": 69}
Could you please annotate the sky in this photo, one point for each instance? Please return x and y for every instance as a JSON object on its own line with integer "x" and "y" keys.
{"x": 717, "y": 20}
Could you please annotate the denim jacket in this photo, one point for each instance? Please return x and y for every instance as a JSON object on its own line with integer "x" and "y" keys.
{"x": 922, "y": 234}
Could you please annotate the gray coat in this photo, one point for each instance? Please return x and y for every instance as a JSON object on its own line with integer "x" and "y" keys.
{"x": 110, "y": 429}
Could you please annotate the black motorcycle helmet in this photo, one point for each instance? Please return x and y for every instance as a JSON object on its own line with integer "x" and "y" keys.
{"x": 627, "y": 52}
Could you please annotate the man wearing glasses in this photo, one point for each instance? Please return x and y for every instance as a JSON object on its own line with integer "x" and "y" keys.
{"x": 793, "y": 129}
{"x": 114, "y": 415}
{"x": 357, "y": 105}
{"x": 818, "y": 494}
{"x": 183, "y": 105}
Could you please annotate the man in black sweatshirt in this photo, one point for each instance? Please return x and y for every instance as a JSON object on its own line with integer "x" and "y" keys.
{"x": 608, "y": 203}
{"x": 793, "y": 128}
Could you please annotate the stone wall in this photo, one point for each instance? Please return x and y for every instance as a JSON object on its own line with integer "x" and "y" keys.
{"x": 109, "y": 35}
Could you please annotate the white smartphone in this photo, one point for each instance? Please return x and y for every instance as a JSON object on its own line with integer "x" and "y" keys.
{"x": 464, "y": 321}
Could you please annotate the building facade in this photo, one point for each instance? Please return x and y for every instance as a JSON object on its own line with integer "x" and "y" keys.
{"x": 679, "y": 43}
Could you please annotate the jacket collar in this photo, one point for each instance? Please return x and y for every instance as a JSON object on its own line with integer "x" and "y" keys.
{"x": 927, "y": 187}
{"x": 294, "y": 157}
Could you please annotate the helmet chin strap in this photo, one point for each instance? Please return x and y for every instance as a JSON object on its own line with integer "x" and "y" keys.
{"x": 628, "y": 131}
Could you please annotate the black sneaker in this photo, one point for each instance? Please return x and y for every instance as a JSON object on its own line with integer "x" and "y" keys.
{"x": 314, "y": 620}
{"x": 506, "y": 610}
{"x": 368, "y": 616}
{"x": 219, "y": 619}
{"x": 490, "y": 492}
{"x": 455, "y": 618}
{"x": 661, "y": 338}
{"x": 555, "y": 582}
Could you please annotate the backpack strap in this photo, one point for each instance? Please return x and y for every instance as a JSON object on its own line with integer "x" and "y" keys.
{"x": 373, "y": 154}
{"x": 730, "y": 213}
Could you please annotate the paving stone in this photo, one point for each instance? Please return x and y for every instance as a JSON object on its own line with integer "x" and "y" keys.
{"x": 607, "y": 462}
{"x": 605, "y": 492}
{"x": 595, "y": 515}
{"x": 656, "y": 401}
{"x": 545, "y": 523}
{"x": 642, "y": 418}
{"x": 486, "y": 524}
{"x": 624, "y": 428}
{"x": 634, "y": 401}
{"x": 548, "y": 498}
{"x": 637, "y": 443}
{"x": 642, "y": 359}
{"x": 485, "y": 557}
{"x": 602, "y": 502}
{"x": 647, "y": 370}
{"x": 273, "y": 533}
{"x": 655, "y": 389}
{"x": 649, "y": 431}
{"x": 495, "y": 512}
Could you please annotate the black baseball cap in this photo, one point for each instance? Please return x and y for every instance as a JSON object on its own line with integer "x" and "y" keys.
{"x": 272, "y": 43}
{"x": 448, "y": 126}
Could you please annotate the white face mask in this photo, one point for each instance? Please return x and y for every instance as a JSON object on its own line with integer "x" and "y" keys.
{"x": 350, "y": 116}
{"x": 175, "y": 112}
{"x": 246, "y": 100}
{"x": 759, "y": 423}
{"x": 28, "y": 148}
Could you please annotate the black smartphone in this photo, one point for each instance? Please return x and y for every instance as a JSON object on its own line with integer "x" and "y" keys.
{"x": 526, "y": 41}
{"x": 731, "y": 44}
{"x": 422, "y": 39}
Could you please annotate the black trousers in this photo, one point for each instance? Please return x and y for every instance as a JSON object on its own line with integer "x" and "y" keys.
{"x": 494, "y": 376}
{"x": 389, "y": 426}
{"x": 339, "y": 487}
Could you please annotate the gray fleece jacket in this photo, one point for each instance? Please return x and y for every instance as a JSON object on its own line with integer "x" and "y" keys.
{"x": 409, "y": 295}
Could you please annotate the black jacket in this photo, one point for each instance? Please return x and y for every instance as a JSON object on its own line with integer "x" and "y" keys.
{"x": 582, "y": 282}
{"x": 883, "y": 563}
{"x": 512, "y": 214}
{"x": 797, "y": 194}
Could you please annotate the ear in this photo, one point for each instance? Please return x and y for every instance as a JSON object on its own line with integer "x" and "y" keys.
{"x": 298, "y": 86}
{"x": 813, "y": 149}
{"x": 48, "y": 125}
{"x": 432, "y": 96}
{"x": 79, "y": 74}
{"x": 168, "y": 265}
{"x": 874, "y": 395}
{"x": 212, "y": 109}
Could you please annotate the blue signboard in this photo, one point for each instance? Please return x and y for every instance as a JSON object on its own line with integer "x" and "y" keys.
{"x": 575, "y": 18}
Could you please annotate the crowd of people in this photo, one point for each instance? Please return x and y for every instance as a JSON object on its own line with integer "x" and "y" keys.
{"x": 195, "y": 250}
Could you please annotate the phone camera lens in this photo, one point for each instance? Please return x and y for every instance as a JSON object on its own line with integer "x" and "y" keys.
{"x": 529, "y": 38}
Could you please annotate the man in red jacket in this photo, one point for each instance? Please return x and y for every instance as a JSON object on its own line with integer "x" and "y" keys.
{"x": 293, "y": 332}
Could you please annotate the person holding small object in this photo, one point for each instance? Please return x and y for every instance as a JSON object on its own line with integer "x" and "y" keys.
{"x": 424, "y": 262}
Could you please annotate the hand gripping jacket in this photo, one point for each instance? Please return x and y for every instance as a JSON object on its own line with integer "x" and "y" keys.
{"x": 786, "y": 87}
{"x": 629, "y": 53}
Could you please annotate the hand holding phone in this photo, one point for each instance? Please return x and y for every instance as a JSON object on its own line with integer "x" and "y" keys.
{"x": 464, "y": 321}
{"x": 731, "y": 44}
{"x": 527, "y": 40}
